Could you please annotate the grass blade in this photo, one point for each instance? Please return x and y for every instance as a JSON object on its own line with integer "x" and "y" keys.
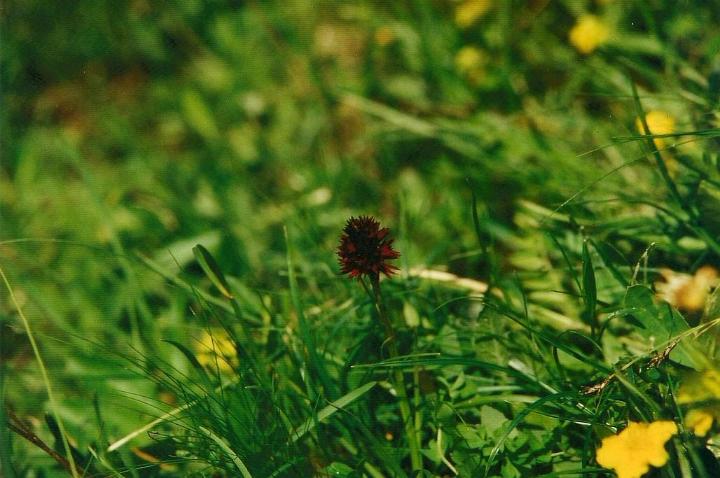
{"x": 305, "y": 332}
{"x": 589, "y": 286}
{"x": 212, "y": 270}
{"x": 45, "y": 377}
{"x": 329, "y": 410}
{"x": 226, "y": 448}
{"x": 149, "y": 426}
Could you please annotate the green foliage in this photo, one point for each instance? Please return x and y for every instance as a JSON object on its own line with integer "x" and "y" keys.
{"x": 175, "y": 177}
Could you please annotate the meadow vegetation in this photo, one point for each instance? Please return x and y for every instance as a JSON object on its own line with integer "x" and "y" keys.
{"x": 176, "y": 176}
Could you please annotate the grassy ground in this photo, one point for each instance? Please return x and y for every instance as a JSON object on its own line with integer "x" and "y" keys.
{"x": 173, "y": 185}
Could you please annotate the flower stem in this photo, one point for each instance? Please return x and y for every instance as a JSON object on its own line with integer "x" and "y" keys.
{"x": 399, "y": 379}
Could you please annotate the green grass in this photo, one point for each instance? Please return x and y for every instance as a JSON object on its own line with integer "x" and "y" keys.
{"x": 182, "y": 171}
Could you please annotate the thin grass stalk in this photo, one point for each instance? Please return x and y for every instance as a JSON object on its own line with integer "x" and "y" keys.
{"x": 398, "y": 377}
{"x": 45, "y": 377}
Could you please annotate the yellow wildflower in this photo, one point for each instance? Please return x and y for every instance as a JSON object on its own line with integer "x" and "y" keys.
{"x": 588, "y": 33}
{"x": 216, "y": 349}
{"x": 632, "y": 451}
{"x": 699, "y": 387}
{"x": 470, "y": 61}
{"x": 699, "y": 421}
{"x": 687, "y": 292}
{"x": 659, "y": 122}
{"x": 468, "y": 57}
{"x": 470, "y": 11}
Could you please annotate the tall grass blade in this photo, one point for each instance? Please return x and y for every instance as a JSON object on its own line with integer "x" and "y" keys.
{"x": 306, "y": 334}
{"x": 45, "y": 376}
{"x": 331, "y": 409}
{"x": 226, "y": 448}
{"x": 589, "y": 286}
{"x": 166, "y": 416}
{"x": 212, "y": 270}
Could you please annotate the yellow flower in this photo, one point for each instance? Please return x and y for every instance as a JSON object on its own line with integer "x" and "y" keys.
{"x": 588, "y": 33}
{"x": 687, "y": 292}
{"x": 216, "y": 349}
{"x": 469, "y": 58}
{"x": 632, "y": 451}
{"x": 470, "y": 61}
{"x": 659, "y": 122}
{"x": 470, "y": 11}
{"x": 699, "y": 421}
{"x": 699, "y": 387}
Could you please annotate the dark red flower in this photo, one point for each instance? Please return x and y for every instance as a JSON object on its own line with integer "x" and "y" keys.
{"x": 365, "y": 248}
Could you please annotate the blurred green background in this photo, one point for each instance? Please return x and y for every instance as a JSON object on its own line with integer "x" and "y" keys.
{"x": 142, "y": 128}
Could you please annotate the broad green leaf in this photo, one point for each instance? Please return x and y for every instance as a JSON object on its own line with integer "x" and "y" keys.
{"x": 492, "y": 419}
{"x": 660, "y": 324}
{"x": 472, "y": 437}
